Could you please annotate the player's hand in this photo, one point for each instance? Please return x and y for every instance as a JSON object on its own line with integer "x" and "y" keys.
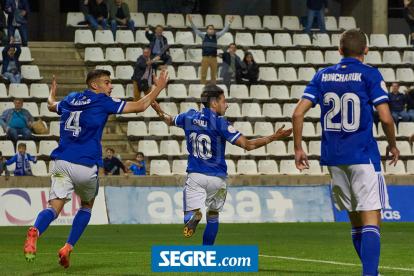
{"x": 411, "y": 140}
{"x": 156, "y": 107}
{"x": 231, "y": 19}
{"x": 54, "y": 86}
{"x": 301, "y": 160}
{"x": 283, "y": 133}
{"x": 109, "y": 174}
{"x": 7, "y": 129}
{"x": 128, "y": 161}
{"x": 395, "y": 154}
{"x": 162, "y": 79}
{"x": 190, "y": 18}
{"x": 126, "y": 175}
{"x": 7, "y": 177}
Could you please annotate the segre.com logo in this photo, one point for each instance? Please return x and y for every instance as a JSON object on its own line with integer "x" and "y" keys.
{"x": 221, "y": 258}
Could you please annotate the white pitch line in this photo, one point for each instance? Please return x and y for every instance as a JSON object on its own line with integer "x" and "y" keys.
{"x": 330, "y": 262}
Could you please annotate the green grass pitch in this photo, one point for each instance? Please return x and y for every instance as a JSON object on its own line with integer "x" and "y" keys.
{"x": 126, "y": 249}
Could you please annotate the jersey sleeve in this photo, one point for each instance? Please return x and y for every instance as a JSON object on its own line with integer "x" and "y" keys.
{"x": 60, "y": 105}
{"x": 113, "y": 105}
{"x": 377, "y": 90}
{"x": 228, "y": 131}
{"x": 179, "y": 120}
{"x": 312, "y": 90}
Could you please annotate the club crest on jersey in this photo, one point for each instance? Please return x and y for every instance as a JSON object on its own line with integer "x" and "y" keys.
{"x": 75, "y": 102}
{"x": 231, "y": 129}
{"x": 116, "y": 100}
{"x": 384, "y": 86}
{"x": 200, "y": 123}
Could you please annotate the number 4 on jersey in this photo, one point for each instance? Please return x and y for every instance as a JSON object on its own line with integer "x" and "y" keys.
{"x": 72, "y": 123}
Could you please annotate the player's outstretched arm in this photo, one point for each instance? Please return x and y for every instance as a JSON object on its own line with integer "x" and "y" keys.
{"x": 260, "y": 142}
{"x": 388, "y": 126}
{"x": 168, "y": 119}
{"x": 144, "y": 103}
{"x": 301, "y": 160}
{"x": 51, "y": 101}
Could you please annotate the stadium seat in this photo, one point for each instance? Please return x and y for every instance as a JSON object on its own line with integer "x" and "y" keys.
{"x": 18, "y": 90}
{"x": 314, "y": 168}
{"x": 379, "y": 40}
{"x": 244, "y": 127}
{"x": 3, "y": 92}
{"x": 184, "y": 38}
{"x": 194, "y": 55}
{"x": 315, "y": 148}
{"x": 177, "y": 91}
{"x": 251, "y": 110}
{"x": 108, "y": 68}
{"x": 288, "y": 167}
{"x": 233, "y": 110}
{"x": 115, "y": 55}
{"x": 237, "y": 22}
{"x": 124, "y": 37}
{"x": 308, "y": 130}
{"x": 140, "y": 37}
{"x": 296, "y": 91}
{"x": 287, "y": 74}
{"x": 46, "y": 147}
{"x": 124, "y": 72}
{"x": 286, "y": 124}
{"x": 247, "y": 167}
{"x": 335, "y": 39}
{"x": 404, "y": 148}
{"x": 231, "y": 167}
{"x": 373, "y": 57}
{"x": 187, "y": 73}
{"x": 347, "y": 22}
{"x": 291, "y": 23}
{"x": 169, "y": 108}
{"x": 39, "y": 168}
{"x": 160, "y": 167}
{"x": 32, "y": 108}
{"x": 148, "y": 113}
{"x": 276, "y": 148}
{"x": 148, "y": 147}
{"x": 288, "y": 109}
{"x": 5, "y": 105}
{"x": 74, "y": 18}
{"x": 139, "y": 19}
{"x": 314, "y": 57}
{"x": 132, "y": 54}
{"x": 275, "y": 56}
{"x": 306, "y": 73}
{"x": 171, "y": 72}
{"x": 177, "y": 55}
{"x": 330, "y": 23}
{"x": 397, "y": 40}
{"x": 314, "y": 112}
{"x": 263, "y": 39}
{"x": 405, "y": 74}
{"x": 291, "y": 149}
{"x": 54, "y": 129}
{"x": 408, "y": 57}
{"x": 272, "y": 110}
{"x": 271, "y": 22}
{"x": 7, "y": 148}
{"x": 280, "y": 92}
{"x": 319, "y": 128}
{"x": 405, "y": 129}
{"x": 176, "y": 131}
{"x": 388, "y": 74}
{"x": 267, "y": 74}
{"x": 25, "y": 56}
{"x": 214, "y": 19}
{"x": 31, "y": 72}
{"x": 259, "y": 92}
{"x": 170, "y": 148}
{"x": 398, "y": 169}
{"x": 208, "y": 77}
{"x": 301, "y": 39}
{"x": 257, "y": 152}
{"x": 104, "y": 37}
{"x": 252, "y": 22}
{"x": 39, "y": 90}
{"x": 382, "y": 147}
{"x": 234, "y": 150}
{"x": 294, "y": 57}
{"x": 268, "y": 167}
{"x": 258, "y": 56}
{"x": 195, "y": 90}
{"x": 226, "y": 40}
{"x": 175, "y": 20}
{"x": 179, "y": 167}
{"x": 282, "y": 39}
{"x": 239, "y": 91}
{"x": 197, "y": 20}
{"x": 154, "y": 19}
{"x": 186, "y": 106}
{"x": 381, "y": 131}
{"x": 30, "y": 147}
{"x": 263, "y": 129}
{"x": 94, "y": 55}
{"x": 170, "y": 37}
{"x": 118, "y": 91}
{"x": 244, "y": 39}
{"x": 321, "y": 40}
{"x": 391, "y": 57}
{"x": 224, "y": 88}
{"x": 410, "y": 166}
{"x": 51, "y": 165}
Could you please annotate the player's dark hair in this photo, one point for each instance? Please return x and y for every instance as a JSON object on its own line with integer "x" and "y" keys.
{"x": 110, "y": 149}
{"x": 353, "y": 43}
{"x": 21, "y": 145}
{"x": 211, "y": 92}
{"x": 140, "y": 153}
{"x": 96, "y": 74}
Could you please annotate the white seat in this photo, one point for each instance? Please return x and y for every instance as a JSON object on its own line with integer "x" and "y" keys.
{"x": 282, "y": 39}
{"x": 39, "y": 169}
{"x": 171, "y": 72}
{"x": 251, "y": 110}
{"x": 118, "y": 91}
{"x": 197, "y": 20}
{"x": 308, "y": 129}
{"x": 314, "y": 57}
{"x": 108, "y": 68}
{"x": 246, "y": 167}
{"x": 39, "y": 90}
{"x": 257, "y": 152}
{"x": 94, "y": 55}
{"x": 124, "y": 37}
{"x": 291, "y": 148}
{"x": 169, "y": 36}
{"x": 194, "y": 55}
{"x": 148, "y": 147}
{"x": 252, "y": 22}
{"x": 3, "y": 91}
{"x": 335, "y": 39}
{"x": 179, "y": 167}
{"x": 314, "y": 168}
{"x": 184, "y": 38}
{"x": 287, "y": 74}
{"x": 186, "y": 106}
{"x": 148, "y": 113}
{"x": 132, "y": 54}
{"x": 314, "y": 112}
{"x": 271, "y": 22}
{"x": 315, "y": 148}
{"x": 175, "y": 20}
{"x": 286, "y": 124}
{"x": 7, "y": 148}
{"x": 31, "y": 72}
{"x": 276, "y": 148}
{"x": 154, "y": 19}
{"x": 319, "y": 128}
{"x": 259, "y": 92}
{"x": 373, "y": 57}
{"x": 272, "y": 110}
{"x": 301, "y": 39}
{"x": 291, "y": 23}
{"x": 237, "y": 22}
{"x": 330, "y": 23}
{"x": 44, "y": 111}
{"x": 404, "y": 148}
{"x": 25, "y": 55}
{"x": 288, "y": 109}
{"x": 296, "y": 91}
{"x": 263, "y": 129}
{"x": 347, "y": 22}
{"x": 195, "y": 90}
{"x": 280, "y": 92}
{"x": 239, "y": 91}
{"x": 294, "y": 56}
{"x": 306, "y": 73}
{"x": 382, "y": 147}
{"x": 141, "y": 38}
{"x": 124, "y": 72}
{"x": 225, "y": 40}
{"x": 234, "y": 150}
{"x": 169, "y": 108}
{"x": 214, "y": 19}
{"x": 18, "y": 90}
{"x": 104, "y": 37}
{"x": 32, "y": 108}
{"x": 410, "y": 166}
{"x": 391, "y": 57}
{"x": 54, "y": 129}
{"x": 408, "y": 57}
{"x": 405, "y": 74}
{"x": 74, "y": 18}
{"x": 177, "y": 91}
{"x": 267, "y": 74}
{"x": 46, "y": 147}
{"x": 51, "y": 165}
{"x": 30, "y": 147}
{"x": 275, "y": 56}
{"x": 398, "y": 169}
{"x": 224, "y": 88}
{"x": 381, "y": 131}
{"x": 258, "y": 56}
{"x": 244, "y": 127}
{"x": 139, "y": 19}
{"x": 170, "y": 147}
{"x": 231, "y": 167}
{"x": 379, "y": 40}
{"x": 187, "y": 73}
{"x": 288, "y": 167}
{"x": 397, "y": 40}
{"x": 115, "y": 55}
{"x": 176, "y": 131}
{"x": 263, "y": 39}
{"x": 244, "y": 39}
{"x": 321, "y": 40}
{"x": 177, "y": 54}
{"x": 405, "y": 129}
{"x": 268, "y": 167}
{"x": 5, "y": 105}
{"x": 233, "y": 110}
{"x": 160, "y": 167}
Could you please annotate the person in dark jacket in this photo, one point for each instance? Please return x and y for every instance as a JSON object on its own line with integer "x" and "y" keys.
{"x": 143, "y": 72}
{"x": 113, "y": 164}
{"x": 409, "y": 16}
{"x": 22, "y": 10}
{"x": 119, "y": 15}
{"x": 98, "y": 13}
{"x": 3, "y": 25}
{"x": 232, "y": 65}
{"x": 11, "y": 64}
{"x": 410, "y": 104}
{"x": 250, "y": 70}
{"x": 158, "y": 45}
{"x": 316, "y": 9}
{"x": 397, "y": 104}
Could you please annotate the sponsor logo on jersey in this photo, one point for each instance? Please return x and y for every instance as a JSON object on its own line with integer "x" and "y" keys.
{"x": 384, "y": 86}
{"x": 116, "y": 100}
{"x": 231, "y": 129}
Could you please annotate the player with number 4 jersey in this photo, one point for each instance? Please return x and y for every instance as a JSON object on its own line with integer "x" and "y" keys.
{"x": 79, "y": 154}
{"x": 346, "y": 93}
{"x": 207, "y": 134}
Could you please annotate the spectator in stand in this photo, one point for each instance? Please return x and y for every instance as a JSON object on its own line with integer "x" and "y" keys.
{"x": 142, "y": 77}
{"x": 158, "y": 46}
{"x": 3, "y": 167}
{"x": 17, "y": 121}
{"x": 209, "y": 47}
{"x": 316, "y": 9}
{"x": 409, "y": 17}
{"x": 250, "y": 70}
{"x": 22, "y": 161}
{"x": 98, "y": 13}
{"x": 113, "y": 164}
{"x": 138, "y": 166}
{"x": 231, "y": 65}
{"x": 11, "y": 63}
{"x": 397, "y": 104}
{"x": 119, "y": 15}
{"x": 18, "y": 11}
{"x": 3, "y": 37}
{"x": 410, "y": 104}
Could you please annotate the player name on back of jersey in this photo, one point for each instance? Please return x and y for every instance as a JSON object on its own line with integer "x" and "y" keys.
{"x": 341, "y": 77}
{"x": 200, "y": 123}
{"x": 75, "y": 102}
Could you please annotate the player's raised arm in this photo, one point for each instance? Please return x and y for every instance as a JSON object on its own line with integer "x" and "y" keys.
{"x": 301, "y": 160}
{"x": 168, "y": 119}
{"x": 388, "y": 126}
{"x": 260, "y": 142}
{"x": 51, "y": 101}
{"x": 144, "y": 103}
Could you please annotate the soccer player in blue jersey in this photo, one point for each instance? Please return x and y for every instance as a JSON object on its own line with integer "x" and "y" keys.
{"x": 346, "y": 93}
{"x": 207, "y": 134}
{"x": 79, "y": 154}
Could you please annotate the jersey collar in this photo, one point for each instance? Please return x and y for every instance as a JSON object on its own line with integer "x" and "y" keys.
{"x": 89, "y": 93}
{"x": 209, "y": 112}
{"x": 350, "y": 60}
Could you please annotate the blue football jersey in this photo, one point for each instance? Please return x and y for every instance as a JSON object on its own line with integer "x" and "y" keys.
{"x": 206, "y": 135}
{"x": 346, "y": 93}
{"x": 83, "y": 118}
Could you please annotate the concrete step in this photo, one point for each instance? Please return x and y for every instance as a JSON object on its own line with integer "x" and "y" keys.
{"x": 71, "y": 72}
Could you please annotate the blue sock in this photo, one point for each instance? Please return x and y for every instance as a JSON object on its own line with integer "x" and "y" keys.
{"x": 79, "y": 224}
{"x": 187, "y": 217}
{"x": 211, "y": 230}
{"x": 44, "y": 219}
{"x": 356, "y": 239}
{"x": 370, "y": 249}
